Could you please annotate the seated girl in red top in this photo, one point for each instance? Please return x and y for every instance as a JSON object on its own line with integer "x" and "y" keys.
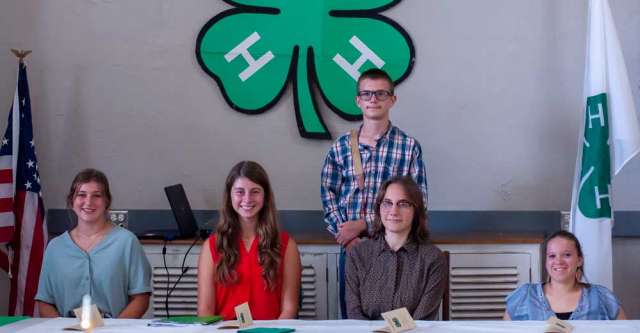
{"x": 248, "y": 259}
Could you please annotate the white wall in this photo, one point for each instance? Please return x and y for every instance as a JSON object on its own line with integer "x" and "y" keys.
{"x": 626, "y": 274}
{"x": 494, "y": 98}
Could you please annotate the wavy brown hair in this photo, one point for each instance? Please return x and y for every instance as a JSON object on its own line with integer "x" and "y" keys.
{"x": 419, "y": 232}
{"x": 267, "y": 231}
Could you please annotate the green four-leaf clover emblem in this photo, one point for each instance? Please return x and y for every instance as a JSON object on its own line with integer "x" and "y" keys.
{"x": 255, "y": 49}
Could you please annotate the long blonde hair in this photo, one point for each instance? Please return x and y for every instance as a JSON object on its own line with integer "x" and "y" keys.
{"x": 267, "y": 231}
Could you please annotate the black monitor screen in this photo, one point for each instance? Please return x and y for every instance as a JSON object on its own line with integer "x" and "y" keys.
{"x": 187, "y": 224}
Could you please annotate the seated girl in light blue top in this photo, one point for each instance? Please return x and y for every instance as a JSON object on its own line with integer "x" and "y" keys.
{"x": 96, "y": 257}
{"x": 564, "y": 295}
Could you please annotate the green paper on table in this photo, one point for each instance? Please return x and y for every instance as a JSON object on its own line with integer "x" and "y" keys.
{"x": 266, "y": 330}
{"x": 9, "y": 320}
{"x": 186, "y": 320}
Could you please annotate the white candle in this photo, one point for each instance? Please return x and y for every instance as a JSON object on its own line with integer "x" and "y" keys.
{"x": 85, "y": 321}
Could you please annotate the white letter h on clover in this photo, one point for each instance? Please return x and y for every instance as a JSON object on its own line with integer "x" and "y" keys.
{"x": 243, "y": 50}
{"x": 365, "y": 54}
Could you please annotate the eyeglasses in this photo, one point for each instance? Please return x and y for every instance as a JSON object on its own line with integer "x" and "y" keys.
{"x": 381, "y": 95}
{"x": 402, "y": 204}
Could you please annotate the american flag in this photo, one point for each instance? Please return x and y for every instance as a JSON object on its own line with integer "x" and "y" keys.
{"x": 23, "y": 230}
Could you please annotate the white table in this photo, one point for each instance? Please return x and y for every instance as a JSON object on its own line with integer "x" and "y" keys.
{"x": 334, "y": 326}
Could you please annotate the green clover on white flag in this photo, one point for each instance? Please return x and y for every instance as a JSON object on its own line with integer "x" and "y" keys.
{"x": 610, "y": 132}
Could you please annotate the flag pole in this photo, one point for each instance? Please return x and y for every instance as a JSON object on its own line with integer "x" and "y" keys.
{"x": 21, "y": 54}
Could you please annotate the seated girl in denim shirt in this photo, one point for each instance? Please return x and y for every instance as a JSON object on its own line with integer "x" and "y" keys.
{"x": 564, "y": 295}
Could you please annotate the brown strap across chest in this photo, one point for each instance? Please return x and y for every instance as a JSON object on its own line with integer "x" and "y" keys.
{"x": 357, "y": 161}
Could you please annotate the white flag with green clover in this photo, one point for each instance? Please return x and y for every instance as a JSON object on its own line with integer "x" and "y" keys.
{"x": 610, "y": 132}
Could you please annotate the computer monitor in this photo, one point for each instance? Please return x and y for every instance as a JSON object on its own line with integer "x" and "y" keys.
{"x": 187, "y": 225}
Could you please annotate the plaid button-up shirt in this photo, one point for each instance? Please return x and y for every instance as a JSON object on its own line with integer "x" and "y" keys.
{"x": 395, "y": 154}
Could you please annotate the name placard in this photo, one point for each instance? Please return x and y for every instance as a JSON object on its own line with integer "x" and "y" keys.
{"x": 243, "y": 315}
{"x": 555, "y": 325}
{"x": 398, "y": 320}
{"x": 95, "y": 321}
{"x": 243, "y": 318}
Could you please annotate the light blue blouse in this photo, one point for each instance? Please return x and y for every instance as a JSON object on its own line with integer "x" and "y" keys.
{"x": 529, "y": 303}
{"x": 111, "y": 271}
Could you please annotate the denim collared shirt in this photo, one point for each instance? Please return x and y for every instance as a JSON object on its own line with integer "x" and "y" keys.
{"x": 528, "y": 302}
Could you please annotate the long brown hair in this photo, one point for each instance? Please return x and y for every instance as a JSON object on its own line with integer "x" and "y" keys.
{"x": 228, "y": 228}
{"x": 419, "y": 232}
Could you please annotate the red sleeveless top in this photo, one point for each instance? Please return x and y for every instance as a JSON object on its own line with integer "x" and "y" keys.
{"x": 265, "y": 304}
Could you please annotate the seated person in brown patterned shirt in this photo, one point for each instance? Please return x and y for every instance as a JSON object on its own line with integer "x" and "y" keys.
{"x": 397, "y": 267}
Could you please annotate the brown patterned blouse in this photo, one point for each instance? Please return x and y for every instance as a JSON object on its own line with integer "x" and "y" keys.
{"x": 379, "y": 279}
